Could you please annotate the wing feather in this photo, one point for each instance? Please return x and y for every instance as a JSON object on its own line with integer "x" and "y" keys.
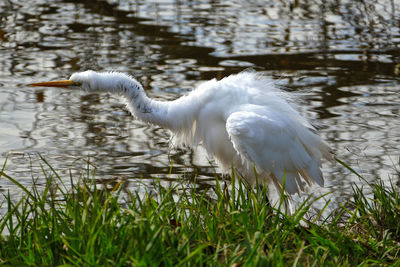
{"x": 276, "y": 145}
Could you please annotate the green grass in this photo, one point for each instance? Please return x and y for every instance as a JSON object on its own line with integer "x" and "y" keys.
{"x": 180, "y": 226}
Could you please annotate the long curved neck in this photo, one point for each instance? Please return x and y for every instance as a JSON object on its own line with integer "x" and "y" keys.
{"x": 165, "y": 114}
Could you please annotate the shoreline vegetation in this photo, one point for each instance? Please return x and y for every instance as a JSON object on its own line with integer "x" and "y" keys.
{"x": 179, "y": 226}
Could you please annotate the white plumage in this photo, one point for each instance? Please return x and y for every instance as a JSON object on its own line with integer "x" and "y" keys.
{"x": 243, "y": 121}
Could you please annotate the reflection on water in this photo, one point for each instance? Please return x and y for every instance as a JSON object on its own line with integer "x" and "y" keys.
{"x": 342, "y": 55}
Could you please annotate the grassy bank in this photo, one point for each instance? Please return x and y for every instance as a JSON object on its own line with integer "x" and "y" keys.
{"x": 178, "y": 226}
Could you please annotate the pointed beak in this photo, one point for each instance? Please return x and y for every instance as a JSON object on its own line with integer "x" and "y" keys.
{"x": 64, "y": 84}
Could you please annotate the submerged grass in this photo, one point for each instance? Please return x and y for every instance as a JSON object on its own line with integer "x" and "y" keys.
{"x": 84, "y": 226}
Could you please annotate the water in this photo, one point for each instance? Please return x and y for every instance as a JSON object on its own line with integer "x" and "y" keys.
{"x": 344, "y": 56}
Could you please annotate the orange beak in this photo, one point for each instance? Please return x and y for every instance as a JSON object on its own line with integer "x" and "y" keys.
{"x": 64, "y": 83}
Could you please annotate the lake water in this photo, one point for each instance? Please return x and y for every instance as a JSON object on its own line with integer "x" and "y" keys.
{"x": 342, "y": 55}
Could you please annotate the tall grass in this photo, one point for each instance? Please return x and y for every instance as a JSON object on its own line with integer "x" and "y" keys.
{"x": 179, "y": 226}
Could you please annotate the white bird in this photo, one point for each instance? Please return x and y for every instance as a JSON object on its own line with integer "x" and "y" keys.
{"x": 242, "y": 121}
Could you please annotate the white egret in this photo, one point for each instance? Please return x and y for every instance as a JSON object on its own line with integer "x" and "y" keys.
{"x": 242, "y": 121}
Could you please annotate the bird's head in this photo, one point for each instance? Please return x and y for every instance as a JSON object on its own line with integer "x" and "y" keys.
{"x": 95, "y": 81}
{"x": 70, "y": 83}
{"x": 86, "y": 80}
{"x": 77, "y": 80}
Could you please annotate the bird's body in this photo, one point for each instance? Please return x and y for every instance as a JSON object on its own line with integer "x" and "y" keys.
{"x": 242, "y": 121}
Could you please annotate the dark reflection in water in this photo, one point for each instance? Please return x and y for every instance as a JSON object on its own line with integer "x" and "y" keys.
{"x": 342, "y": 55}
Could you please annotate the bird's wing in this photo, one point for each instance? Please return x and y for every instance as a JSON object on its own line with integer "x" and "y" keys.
{"x": 278, "y": 146}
